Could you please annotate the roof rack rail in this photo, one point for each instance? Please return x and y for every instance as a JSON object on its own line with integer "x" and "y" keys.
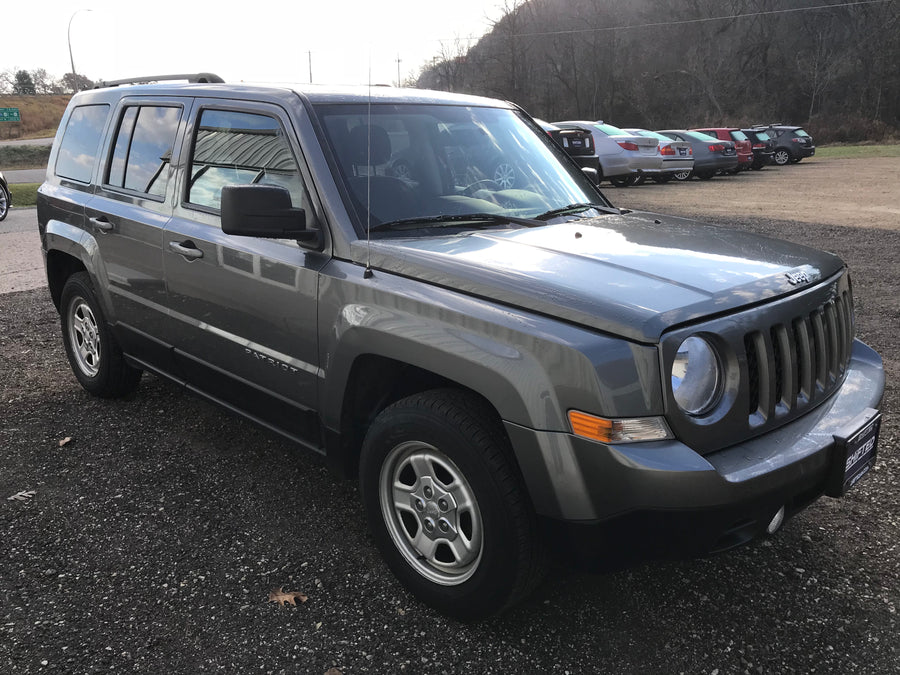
{"x": 194, "y": 78}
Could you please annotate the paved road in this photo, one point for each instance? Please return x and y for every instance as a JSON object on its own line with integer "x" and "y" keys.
{"x": 25, "y": 176}
{"x": 21, "y": 265}
{"x": 29, "y": 141}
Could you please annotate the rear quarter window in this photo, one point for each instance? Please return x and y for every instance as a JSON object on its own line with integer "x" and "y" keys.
{"x": 80, "y": 144}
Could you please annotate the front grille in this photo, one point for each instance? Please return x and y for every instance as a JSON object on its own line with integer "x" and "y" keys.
{"x": 797, "y": 363}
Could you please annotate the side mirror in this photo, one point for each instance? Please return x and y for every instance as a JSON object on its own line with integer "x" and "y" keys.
{"x": 264, "y": 211}
{"x": 591, "y": 173}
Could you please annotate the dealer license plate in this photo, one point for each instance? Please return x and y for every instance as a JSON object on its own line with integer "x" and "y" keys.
{"x": 855, "y": 452}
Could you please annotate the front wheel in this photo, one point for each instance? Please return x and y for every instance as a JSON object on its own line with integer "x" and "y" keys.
{"x": 446, "y": 505}
{"x": 94, "y": 355}
{"x": 4, "y": 203}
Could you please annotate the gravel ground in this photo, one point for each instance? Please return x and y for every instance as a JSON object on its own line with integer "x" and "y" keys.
{"x": 155, "y": 535}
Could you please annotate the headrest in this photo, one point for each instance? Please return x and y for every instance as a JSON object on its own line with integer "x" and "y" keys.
{"x": 361, "y": 136}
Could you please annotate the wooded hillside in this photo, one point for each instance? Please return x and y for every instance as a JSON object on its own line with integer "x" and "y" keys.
{"x": 832, "y": 65}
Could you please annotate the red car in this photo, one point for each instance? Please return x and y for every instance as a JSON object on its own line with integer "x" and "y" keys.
{"x": 741, "y": 143}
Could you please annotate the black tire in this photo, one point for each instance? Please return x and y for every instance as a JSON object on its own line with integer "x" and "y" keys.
{"x": 639, "y": 180}
{"x": 623, "y": 181}
{"x": 663, "y": 178}
{"x": 424, "y": 456}
{"x": 94, "y": 355}
{"x": 782, "y": 157}
{"x": 4, "y": 203}
{"x": 683, "y": 174}
{"x": 705, "y": 175}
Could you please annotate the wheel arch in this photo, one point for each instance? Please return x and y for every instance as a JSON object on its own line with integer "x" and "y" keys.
{"x": 372, "y": 383}
{"x": 60, "y": 266}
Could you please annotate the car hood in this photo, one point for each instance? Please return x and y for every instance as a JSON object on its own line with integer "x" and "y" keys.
{"x": 633, "y": 275}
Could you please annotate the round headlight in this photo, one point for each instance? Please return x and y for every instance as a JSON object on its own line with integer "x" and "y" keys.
{"x": 696, "y": 375}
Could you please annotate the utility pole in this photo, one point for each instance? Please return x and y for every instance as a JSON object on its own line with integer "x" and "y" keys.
{"x": 310, "y": 66}
{"x": 399, "y": 84}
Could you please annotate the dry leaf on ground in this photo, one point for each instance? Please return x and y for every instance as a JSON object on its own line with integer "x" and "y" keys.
{"x": 289, "y": 597}
{"x": 65, "y": 441}
{"x": 22, "y": 496}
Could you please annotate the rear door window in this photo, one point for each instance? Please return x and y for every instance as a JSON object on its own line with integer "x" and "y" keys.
{"x": 81, "y": 143}
{"x": 143, "y": 149}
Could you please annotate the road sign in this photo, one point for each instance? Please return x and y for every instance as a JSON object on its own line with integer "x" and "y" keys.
{"x": 9, "y": 115}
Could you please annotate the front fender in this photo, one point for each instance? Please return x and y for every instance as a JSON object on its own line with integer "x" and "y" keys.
{"x": 532, "y": 369}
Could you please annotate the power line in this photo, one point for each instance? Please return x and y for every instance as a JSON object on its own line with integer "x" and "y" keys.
{"x": 703, "y": 20}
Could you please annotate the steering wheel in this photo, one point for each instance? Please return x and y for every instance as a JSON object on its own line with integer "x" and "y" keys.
{"x": 471, "y": 188}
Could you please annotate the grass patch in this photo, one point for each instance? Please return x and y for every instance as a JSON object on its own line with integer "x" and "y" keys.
{"x": 39, "y": 115}
{"x": 24, "y": 194}
{"x": 857, "y": 151}
{"x": 24, "y": 156}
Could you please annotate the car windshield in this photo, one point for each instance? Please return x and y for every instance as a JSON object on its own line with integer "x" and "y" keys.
{"x": 609, "y": 129}
{"x": 652, "y": 134}
{"x": 699, "y": 136}
{"x": 436, "y": 163}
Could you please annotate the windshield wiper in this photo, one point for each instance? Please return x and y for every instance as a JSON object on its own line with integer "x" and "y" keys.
{"x": 574, "y": 208}
{"x": 486, "y": 218}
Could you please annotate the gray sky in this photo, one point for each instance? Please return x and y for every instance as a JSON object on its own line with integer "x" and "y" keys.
{"x": 250, "y": 41}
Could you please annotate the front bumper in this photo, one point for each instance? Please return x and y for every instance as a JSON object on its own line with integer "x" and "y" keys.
{"x": 669, "y": 498}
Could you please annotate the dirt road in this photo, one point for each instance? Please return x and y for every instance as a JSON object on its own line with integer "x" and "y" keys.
{"x": 155, "y": 534}
{"x": 848, "y": 192}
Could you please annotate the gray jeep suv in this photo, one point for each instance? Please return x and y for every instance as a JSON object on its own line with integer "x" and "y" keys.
{"x": 506, "y": 370}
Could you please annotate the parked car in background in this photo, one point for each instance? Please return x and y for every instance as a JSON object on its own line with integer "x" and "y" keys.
{"x": 711, "y": 155}
{"x": 677, "y": 156}
{"x": 578, "y": 143}
{"x": 763, "y": 148}
{"x": 742, "y": 144}
{"x": 5, "y": 201}
{"x": 791, "y": 143}
{"x": 621, "y": 157}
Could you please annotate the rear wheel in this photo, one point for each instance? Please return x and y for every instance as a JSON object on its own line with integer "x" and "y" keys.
{"x": 682, "y": 174}
{"x": 782, "y": 157}
{"x": 662, "y": 178}
{"x": 623, "y": 181}
{"x": 446, "y": 506}
{"x": 94, "y": 355}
